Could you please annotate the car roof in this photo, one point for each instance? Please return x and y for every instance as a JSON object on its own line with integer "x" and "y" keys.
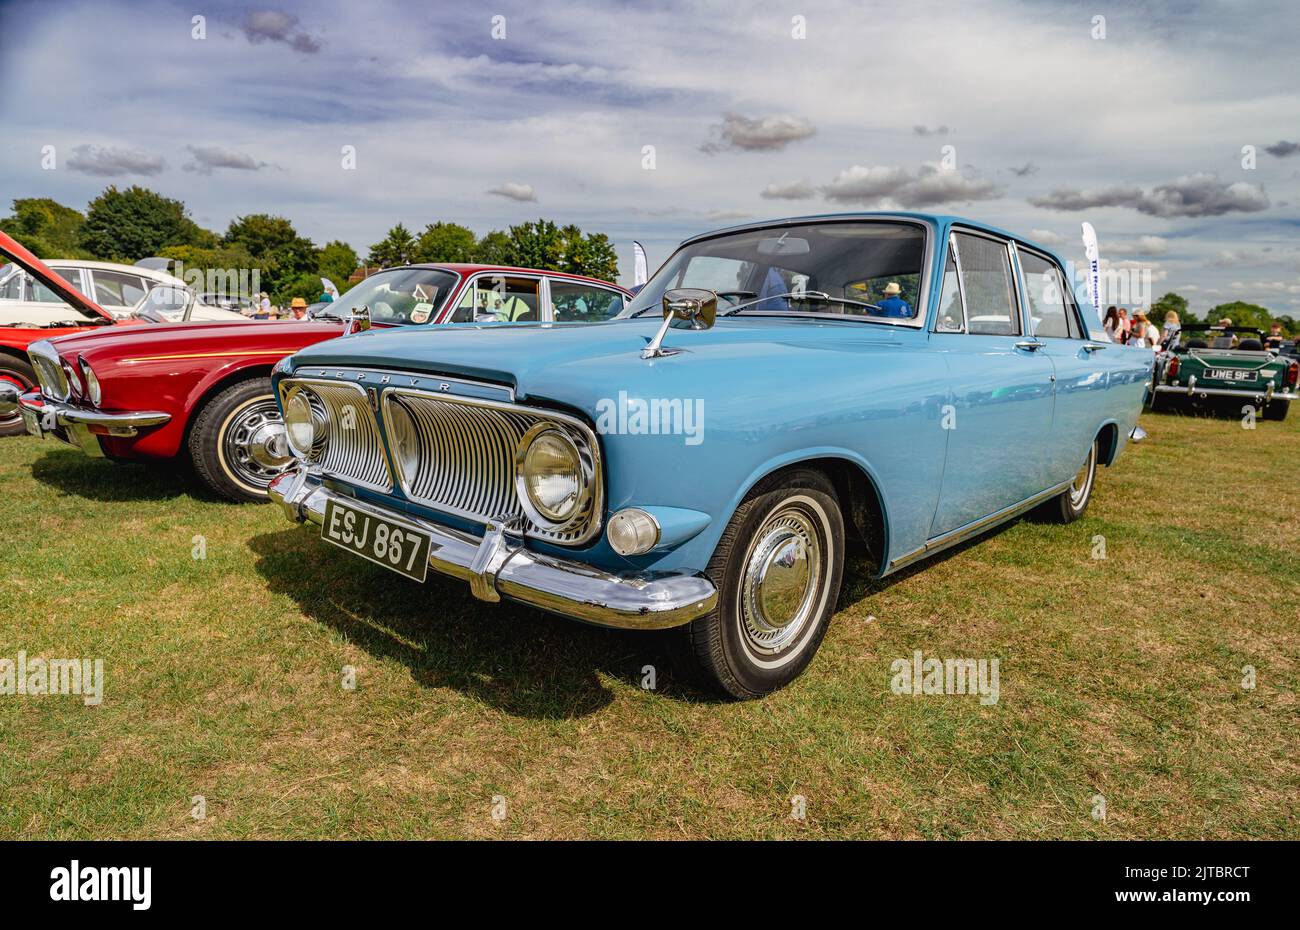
{"x": 471, "y": 268}
{"x": 150, "y": 273}
{"x": 938, "y": 220}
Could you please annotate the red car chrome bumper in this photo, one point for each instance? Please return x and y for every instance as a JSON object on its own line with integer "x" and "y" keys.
{"x": 82, "y": 426}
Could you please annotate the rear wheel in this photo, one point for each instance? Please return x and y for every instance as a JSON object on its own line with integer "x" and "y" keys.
{"x": 237, "y": 443}
{"x": 778, "y": 568}
{"x": 19, "y": 373}
{"x": 1277, "y": 409}
{"x": 1070, "y": 504}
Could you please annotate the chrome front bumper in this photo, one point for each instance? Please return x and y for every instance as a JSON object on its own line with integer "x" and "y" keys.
{"x": 82, "y": 426}
{"x": 1191, "y": 390}
{"x": 497, "y": 565}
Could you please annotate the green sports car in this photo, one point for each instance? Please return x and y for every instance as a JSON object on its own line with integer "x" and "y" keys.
{"x": 1202, "y": 364}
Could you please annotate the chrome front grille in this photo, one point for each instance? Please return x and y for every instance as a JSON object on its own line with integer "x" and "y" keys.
{"x": 353, "y": 449}
{"x": 466, "y": 458}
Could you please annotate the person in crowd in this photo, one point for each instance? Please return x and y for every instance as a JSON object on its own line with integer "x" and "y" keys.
{"x": 1125, "y": 326}
{"x": 1172, "y": 325}
{"x": 1275, "y": 336}
{"x": 1111, "y": 323}
{"x": 1229, "y": 339}
{"x": 263, "y": 307}
{"x": 298, "y": 308}
{"x": 893, "y": 305}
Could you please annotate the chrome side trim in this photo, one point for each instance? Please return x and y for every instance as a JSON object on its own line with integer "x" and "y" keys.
{"x": 497, "y": 565}
{"x": 49, "y": 369}
{"x": 975, "y": 527}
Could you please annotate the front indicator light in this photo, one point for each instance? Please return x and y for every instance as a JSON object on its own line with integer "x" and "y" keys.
{"x": 633, "y": 532}
{"x": 92, "y": 383}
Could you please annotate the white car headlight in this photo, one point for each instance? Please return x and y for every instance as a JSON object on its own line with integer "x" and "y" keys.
{"x": 300, "y": 424}
{"x": 92, "y": 383}
{"x": 403, "y": 440}
{"x": 551, "y": 476}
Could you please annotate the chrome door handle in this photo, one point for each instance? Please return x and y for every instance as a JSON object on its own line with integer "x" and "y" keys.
{"x": 1029, "y": 345}
{"x": 1091, "y": 347}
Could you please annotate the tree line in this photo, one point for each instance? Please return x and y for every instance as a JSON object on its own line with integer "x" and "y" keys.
{"x": 127, "y": 225}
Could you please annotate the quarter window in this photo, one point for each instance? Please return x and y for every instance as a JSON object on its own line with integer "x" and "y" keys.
{"x": 950, "y": 318}
{"x": 583, "y": 303}
{"x": 1048, "y": 314}
{"x": 986, "y": 279}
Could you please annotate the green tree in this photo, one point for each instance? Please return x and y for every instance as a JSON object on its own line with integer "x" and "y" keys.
{"x": 445, "y": 242}
{"x": 135, "y": 223}
{"x": 544, "y": 245}
{"x": 276, "y": 248}
{"x": 337, "y": 262}
{"x": 1241, "y": 314}
{"x": 47, "y": 227}
{"x": 493, "y": 249}
{"x": 394, "y": 249}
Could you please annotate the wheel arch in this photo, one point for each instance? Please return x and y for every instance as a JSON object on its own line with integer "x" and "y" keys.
{"x": 1108, "y": 436}
{"x": 214, "y": 387}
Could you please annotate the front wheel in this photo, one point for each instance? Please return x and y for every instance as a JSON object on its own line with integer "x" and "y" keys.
{"x": 20, "y": 374}
{"x": 778, "y": 568}
{"x": 237, "y": 443}
{"x": 1070, "y": 504}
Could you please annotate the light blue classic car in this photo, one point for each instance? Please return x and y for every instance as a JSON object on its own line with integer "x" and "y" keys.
{"x": 776, "y": 392}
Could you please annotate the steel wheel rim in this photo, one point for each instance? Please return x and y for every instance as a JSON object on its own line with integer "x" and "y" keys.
{"x": 781, "y": 582}
{"x": 254, "y": 445}
{"x": 1081, "y": 486}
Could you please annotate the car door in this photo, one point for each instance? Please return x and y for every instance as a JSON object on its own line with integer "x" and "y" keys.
{"x": 999, "y": 416}
{"x": 1077, "y": 361}
{"x": 582, "y": 301}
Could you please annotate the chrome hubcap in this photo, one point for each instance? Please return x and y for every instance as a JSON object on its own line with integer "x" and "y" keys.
{"x": 1082, "y": 483}
{"x": 9, "y": 377}
{"x": 782, "y": 578}
{"x": 255, "y": 444}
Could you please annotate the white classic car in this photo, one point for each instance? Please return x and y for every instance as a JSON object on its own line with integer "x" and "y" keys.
{"x": 119, "y": 289}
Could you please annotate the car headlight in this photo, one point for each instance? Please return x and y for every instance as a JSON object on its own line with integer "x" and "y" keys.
{"x": 552, "y": 477}
{"x": 633, "y": 531}
{"x": 302, "y": 427}
{"x": 92, "y": 383}
{"x": 403, "y": 440}
{"x": 73, "y": 379}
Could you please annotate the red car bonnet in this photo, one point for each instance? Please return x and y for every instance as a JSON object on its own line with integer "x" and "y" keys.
{"x": 40, "y": 271}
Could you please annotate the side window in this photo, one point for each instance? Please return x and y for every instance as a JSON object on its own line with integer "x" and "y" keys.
{"x": 1047, "y": 312}
{"x": 12, "y": 288}
{"x": 986, "y": 278}
{"x": 950, "y": 318}
{"x": 38, "y": 292}
{"x": 114, "y": 288}
{"x": 583, "y": 303}
{"x": 498, "y": 299}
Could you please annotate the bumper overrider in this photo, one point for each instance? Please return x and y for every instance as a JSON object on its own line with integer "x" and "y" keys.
{"x": 498, "y": 565}
{"x": 82, "y": 426}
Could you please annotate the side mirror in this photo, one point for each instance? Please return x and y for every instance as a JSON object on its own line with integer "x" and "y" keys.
{"x": 691, "y": 305}
{"x": 358, "y": 322}
{"x": 690, "y": 308}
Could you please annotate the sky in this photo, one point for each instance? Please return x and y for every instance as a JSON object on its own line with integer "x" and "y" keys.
{"x": 1173, "y": 127}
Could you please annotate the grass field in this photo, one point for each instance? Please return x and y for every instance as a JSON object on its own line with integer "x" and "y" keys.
{"x": 1120, "y": 678}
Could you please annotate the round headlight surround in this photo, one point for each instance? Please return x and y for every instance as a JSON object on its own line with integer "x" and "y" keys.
{"x": 93, "y": 390}
{"x": 554, "y": 512}
{"x": 300, "y": 423}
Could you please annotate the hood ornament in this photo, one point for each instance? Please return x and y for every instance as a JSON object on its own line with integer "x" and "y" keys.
{"x": 685, "y": 308}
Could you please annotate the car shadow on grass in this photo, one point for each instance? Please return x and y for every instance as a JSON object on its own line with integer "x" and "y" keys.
{"x": 74, "y": 473}
{"x": 517, "y": 659}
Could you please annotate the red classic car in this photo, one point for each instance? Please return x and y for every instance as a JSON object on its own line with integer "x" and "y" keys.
{"x": 16, "y": 373}
{"x": 201, "y": 392}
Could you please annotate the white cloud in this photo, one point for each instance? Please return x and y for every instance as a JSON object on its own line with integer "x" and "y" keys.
{"x": 514, "y": 191}
{"x": 884, "y": 188}
{"x": 769, "y": 134}
{"x": 109, "y": 162}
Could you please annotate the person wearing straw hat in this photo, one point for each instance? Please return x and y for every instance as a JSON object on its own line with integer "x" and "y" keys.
{"x": 894, "y": 305}
{"x": 298, "y": 308}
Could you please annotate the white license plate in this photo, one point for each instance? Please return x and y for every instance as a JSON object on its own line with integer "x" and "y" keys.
{"x": 1231, "y": 374}
{"x": 396, "y": 546}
